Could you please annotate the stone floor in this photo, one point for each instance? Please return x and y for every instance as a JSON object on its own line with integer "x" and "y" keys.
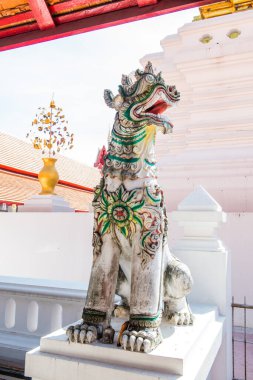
{"x": 239, "y": 355}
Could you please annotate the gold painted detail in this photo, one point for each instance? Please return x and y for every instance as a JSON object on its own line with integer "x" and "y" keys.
{"x": 206, "y": 39}
{"x": 13, "y": 7}
{"x": 48, "y": 176}
{"x": 234, "y": 33}
{"x": 223, "y": 8}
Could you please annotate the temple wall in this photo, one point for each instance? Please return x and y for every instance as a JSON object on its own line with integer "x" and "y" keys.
{"x": 60, "y": 247}
{"x": 53, "y": 246}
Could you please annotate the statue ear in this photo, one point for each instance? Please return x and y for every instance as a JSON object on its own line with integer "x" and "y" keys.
{"x": 126, "y": 80}
{"x": 149, "y": 68}
{"x": 108, "y": 96}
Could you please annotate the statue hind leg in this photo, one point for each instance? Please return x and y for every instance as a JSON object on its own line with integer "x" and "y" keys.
{"x": 177, "y": 285}
{"x": 100, "y": 298}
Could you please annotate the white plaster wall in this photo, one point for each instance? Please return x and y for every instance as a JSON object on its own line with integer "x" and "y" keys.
{"x": 59, "y": 247}
{"x": 238, "y": 237}
{"x": 54, "y": 246}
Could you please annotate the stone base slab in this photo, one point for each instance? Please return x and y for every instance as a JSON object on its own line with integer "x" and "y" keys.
{"x": 187, "y": 352}
{"x": 45, "y": 203}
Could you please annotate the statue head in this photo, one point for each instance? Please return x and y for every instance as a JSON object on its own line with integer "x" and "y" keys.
{"x": 144, "y": 100}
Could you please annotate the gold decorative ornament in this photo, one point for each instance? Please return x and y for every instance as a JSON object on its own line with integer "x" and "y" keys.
{"x": 48, "y": 176}
{"x": 224, "y": 7}
{"x": 206, "y": 39}
{"x": 234, "y": 33}
{"x": 50, "y": 134}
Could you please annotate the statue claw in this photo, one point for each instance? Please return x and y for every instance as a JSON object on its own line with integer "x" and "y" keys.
{"x": 139, "y": 343}
{"x": 124, "y": 341}
{"x": 82, "y": 336}
{"x": 132, "y": 340}
{"x": 89, "y": 336}
{"x": 69, "y": 333}
{"x": 147, "y": 345}
{"x": 76, "y": 335}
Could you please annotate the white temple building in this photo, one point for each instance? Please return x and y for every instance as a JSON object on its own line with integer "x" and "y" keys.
{"x": 211, "y": 63}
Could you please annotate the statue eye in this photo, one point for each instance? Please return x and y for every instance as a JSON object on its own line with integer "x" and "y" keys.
{"x": 150, "y": 78}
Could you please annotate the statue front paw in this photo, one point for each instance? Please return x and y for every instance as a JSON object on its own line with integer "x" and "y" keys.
{"x": 83, "y": 333}
{"x": 144, "y": 340}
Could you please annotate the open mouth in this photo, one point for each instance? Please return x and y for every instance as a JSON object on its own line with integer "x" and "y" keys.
{"x": 158, "y": 108}
{"x": 156, "y": 105}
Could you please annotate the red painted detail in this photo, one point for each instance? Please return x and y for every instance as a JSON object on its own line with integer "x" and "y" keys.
{"x": 75, "y": 186}
{"x": 100, "y": 21}
{"x": 144, "y": 3}
{"x": 41, "y": 13}
{"x": 100, "y": 158}
{"x": 6, "y": 21}
{"x": 18, "y": 30}
{"x": 106, "y": 8}
{"x": 34, "y": 175}
{"x": 9, "y": 203}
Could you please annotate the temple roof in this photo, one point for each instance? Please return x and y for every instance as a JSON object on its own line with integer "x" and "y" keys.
{"x": 20, "y": 164}
{"x": 24, "y": 22}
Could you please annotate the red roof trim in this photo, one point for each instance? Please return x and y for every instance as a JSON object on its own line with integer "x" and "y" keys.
{"x": 12, "y": 31}
{"x": 112, "y": 17}
{"x": 34, "y": 175}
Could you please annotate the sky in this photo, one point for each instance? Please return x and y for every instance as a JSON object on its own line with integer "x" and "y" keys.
{"x": 76, "y": 70}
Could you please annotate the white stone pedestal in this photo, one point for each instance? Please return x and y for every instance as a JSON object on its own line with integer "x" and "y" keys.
{"x": 187, "y": 352}
{"x": 46, "y": 203}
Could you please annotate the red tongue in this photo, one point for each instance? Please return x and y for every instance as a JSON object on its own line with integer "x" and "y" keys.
{"x": 158, "y": 108}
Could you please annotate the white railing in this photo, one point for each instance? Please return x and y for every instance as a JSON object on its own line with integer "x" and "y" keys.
{"x": 31, "y": 308}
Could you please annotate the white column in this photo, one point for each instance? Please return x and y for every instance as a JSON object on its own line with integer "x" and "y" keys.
{"x": 199, "y": 215}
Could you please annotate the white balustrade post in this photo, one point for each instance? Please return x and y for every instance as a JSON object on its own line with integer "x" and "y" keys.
{"x": 200, "y": 215}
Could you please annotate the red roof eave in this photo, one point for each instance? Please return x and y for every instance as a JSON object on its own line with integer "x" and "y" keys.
{"x": 34, "y": 175}
{"x": 49, "y": 26}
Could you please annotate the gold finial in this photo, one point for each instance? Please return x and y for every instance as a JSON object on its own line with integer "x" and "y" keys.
{"x": 224, "y": 7}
